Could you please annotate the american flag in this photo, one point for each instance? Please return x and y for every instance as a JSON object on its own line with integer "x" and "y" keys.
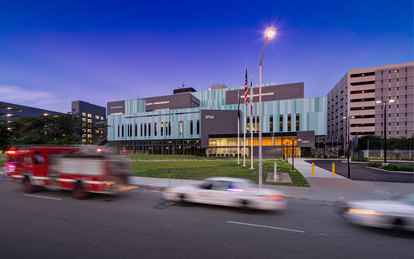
{"x": 246, "y": 90}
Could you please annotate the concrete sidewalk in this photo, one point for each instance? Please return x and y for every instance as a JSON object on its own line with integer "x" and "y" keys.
{"x": 306, "y": 169}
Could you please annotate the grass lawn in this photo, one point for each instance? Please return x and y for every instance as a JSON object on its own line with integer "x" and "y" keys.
{"x": 177, "y": 157}
{"x": 198, "y": 170}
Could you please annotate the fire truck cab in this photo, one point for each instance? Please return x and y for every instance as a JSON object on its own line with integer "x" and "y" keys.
{"x": 80, "y": 169}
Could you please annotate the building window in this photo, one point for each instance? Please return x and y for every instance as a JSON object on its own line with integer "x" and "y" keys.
{"x": 83, "y": 119}
{"x": 89, "y": 120}
{"x": 97, "y": 117}
{"x": 145, "y": 129}
{"x": 83, "y": 114}
{"x": 281, "y": 123}
{"x": 198, "y": 127}
{"x": 162, "y": 129}
{"x": 89, "y": 115}
{"x": 191, "y": 127}
{"x": 248, "y": 125}
{"x": 271, "y": 123}
{"x": 102, "y": 118}
{"x": 136, "y": 130}
{"x": 141, "y": 129}
{"x": 257, "y": 124}
{"x": 155, "y": 129}
{"x": 289, "y": 123}
{"x": 297, "y": 122}
{"x": 169, "y": 128}
{"x": 149, "y": 129}
{"x": 123, "y": 130}
{"x": 181, "y": 128}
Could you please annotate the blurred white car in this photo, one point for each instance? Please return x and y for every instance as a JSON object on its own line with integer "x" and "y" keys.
{"x": 397, "y": 213}
{"x": 227, "y": 191}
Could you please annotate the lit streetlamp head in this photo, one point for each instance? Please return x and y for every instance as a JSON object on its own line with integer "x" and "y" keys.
{"x": 392, "y": 100}
{"x": 378, "y": 101}
{"x": 270, "y": 33}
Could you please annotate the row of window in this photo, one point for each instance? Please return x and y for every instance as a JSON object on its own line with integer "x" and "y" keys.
{"x": 289, "y": 123}
{"x": 97, "y": 117}
{"x": 254, "y": 126}
{"x": 145, "y": 129}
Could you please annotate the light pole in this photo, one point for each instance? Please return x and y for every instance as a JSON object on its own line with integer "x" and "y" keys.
{"x": 347, "y": 118}
{"x": 385, "y": 125}
{"x": 270, "y": 33}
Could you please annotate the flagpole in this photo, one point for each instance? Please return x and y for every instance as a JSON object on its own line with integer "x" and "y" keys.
{"x": 238, "y": 128}
{"x": 245, "y": 117}
{"x": 244, "y": 137}
{"x": 251, "y": 123}
{"x": 238, "y": 138}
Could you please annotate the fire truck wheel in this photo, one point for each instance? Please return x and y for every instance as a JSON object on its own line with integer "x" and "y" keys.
{"x": 28, "y": 186}
{"x": 79, "y": 191}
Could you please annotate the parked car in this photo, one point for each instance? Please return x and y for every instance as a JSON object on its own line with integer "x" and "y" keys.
{"x": 397, "y": 213}
{"x": 226, "y": 191}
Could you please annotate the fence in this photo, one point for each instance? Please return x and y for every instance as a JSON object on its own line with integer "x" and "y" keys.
{"x": 391, "y": 154}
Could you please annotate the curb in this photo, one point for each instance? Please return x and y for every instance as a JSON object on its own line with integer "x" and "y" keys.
{"x": 398, "y": 172}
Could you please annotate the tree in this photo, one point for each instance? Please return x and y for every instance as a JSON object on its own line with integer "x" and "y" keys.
{"x": 5, "y": 136}
{"x": 46, "y": 130}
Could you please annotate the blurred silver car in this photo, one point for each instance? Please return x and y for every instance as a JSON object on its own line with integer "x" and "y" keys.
{"x": 226, "y": 191}
{"x": 397, "y": 213}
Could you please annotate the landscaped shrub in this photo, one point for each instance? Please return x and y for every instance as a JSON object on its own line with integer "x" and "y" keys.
{"x": 397, "y": 167}
{"x": 359, "y": 159}
{"x": 374, "y": 164}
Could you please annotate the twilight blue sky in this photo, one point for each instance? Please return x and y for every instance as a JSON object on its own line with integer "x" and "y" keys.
{"x": 53, "y": 52}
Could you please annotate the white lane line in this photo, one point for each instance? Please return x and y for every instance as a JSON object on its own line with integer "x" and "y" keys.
{"x": 324, "y": 235}
{"x": 43, "y": 197}
{"x": 263, "y": 226}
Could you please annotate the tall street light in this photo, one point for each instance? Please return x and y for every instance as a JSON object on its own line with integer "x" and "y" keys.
{"x": 347, "y": 118}
{"x": 385, "y": 125}
{"x": 270, "y": 33}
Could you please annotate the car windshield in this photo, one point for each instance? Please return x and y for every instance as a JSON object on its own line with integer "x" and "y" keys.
{"x": 242, "y": 185}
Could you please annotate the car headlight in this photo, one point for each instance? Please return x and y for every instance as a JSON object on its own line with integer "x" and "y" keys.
{"x": 364, "y": 212}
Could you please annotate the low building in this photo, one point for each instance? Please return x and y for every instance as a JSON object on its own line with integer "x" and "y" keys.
{"x": 10, "y": 112}
{"x": 205, "y": 122}
{"x": 92, "y": 115}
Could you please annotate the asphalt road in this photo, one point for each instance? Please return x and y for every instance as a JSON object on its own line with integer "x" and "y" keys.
{"x": 52, "y": 224}
{"x": 361, "y": 173}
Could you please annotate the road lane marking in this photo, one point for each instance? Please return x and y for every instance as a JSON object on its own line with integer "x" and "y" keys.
{"x": 43, "y": 197}
{"x": 264, "y": 226}
{"x": 324, "y": 235}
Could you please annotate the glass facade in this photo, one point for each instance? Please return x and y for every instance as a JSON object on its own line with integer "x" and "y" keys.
{"x": 281, "y": 116}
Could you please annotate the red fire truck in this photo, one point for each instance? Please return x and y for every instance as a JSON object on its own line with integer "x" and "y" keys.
{"x": 81, "y": 169}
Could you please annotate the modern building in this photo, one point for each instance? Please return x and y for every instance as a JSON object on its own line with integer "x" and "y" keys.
{"x": 205, "y": 122}
{"x": 356, "y": 95}
{"x": 92, "y": 115}
{"x": 10, "y": 112}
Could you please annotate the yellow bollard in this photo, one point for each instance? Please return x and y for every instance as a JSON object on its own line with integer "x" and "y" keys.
{"x": 313, "y": 169}
{"x": 333, "y": 169}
